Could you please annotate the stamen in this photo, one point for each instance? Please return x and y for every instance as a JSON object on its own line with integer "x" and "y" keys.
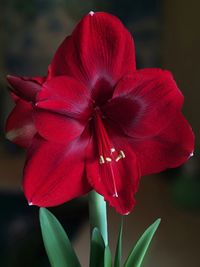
{"x": 112, "y": 150}
{"x": 101, "y": 160}
{"x": 120, "y": 156}
{"x": 109, "y": 156}
{"x": 108, "y": 159}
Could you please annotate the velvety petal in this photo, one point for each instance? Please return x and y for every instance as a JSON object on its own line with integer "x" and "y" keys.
{"x": 54, "y": 173}
{"x": 145, "y": 103}
{"x": 26, "y": 87}
{"x": 118, "y": 180}
{"x": 66, "y": 96}
{"x": 100, "y": 48}
{"x": 14, "y": 97}
{"x": 57, "y": 127}
{"x": 171, "y": 148}
{"x": 20, "y": 128}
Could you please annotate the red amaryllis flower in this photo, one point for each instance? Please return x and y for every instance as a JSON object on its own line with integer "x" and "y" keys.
{"x": 97, "y": 122}
{"x": 20, "y": 128}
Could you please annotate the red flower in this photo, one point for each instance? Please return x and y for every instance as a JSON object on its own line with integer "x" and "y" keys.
{"x": 96, "y": 122}
{"x": 20, "y": 127}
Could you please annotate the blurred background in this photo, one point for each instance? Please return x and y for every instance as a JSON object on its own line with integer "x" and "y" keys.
{"x": 166, "y": 34}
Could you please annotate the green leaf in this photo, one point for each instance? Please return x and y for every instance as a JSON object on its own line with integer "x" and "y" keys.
{"x": 107, "y": 257}
{"x": 98, "y": 214}
{"x": 138, "y": 252}
{"x": 118, "y": 253}
{"x": 97, "y": 249}
{"x": 57, "y": 244}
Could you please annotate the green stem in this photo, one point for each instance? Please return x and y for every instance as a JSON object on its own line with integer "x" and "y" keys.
{"x": 98, "y": 214}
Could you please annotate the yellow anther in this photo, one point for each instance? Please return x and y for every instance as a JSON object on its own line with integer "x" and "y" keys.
{"x": 120, "y": 156}
{"x": 112, "y": 150}
{"x": 101, "y": 160}
{"x": 108, "y": 159}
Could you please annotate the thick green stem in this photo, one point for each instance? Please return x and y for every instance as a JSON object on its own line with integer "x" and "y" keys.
{"x": 98, "y": 214}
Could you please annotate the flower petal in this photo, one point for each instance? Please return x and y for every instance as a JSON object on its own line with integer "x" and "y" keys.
{"x": 171, "y": 148}
{"x": 118, "y": 180}
{"x": 66, "y": 96}
{"x": 100, "y": 48}
{"x": 54, "y": 173}
{"x": 26, "y": 87}
{"x": 56, "y": 127}
{"x": 145, "y": 103}
{"x": 20, "y": 128}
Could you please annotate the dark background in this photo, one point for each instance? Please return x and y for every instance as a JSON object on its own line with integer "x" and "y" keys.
{"x": 166, "y": 35}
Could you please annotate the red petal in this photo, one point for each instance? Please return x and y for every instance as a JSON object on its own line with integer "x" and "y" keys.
{"x": 56, "y": 127}
{"x": 25, "y": 87}
{"x": 65, "y": 96}
{"x": 99, "y": 48}
{"x": 116, "y": 181}
{"x": 19, "y": 126}
{"x": 145, "y": 103}
{"x": 54, "y": 173}
{"x": 171, "y": 148}
{"x": 14, "y": 97}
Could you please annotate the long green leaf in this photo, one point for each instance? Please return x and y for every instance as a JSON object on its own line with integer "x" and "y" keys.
{"x": 107, "y": 257}
{"x": 138, "y": 252}
{"x": 98, "y": 214}
{"x": 97, "y": 249}
{"x": 118, "y": 253}
{"x": 57, "y": 244}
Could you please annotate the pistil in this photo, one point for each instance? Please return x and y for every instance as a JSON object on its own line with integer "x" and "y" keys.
{"x": 108, "y": 155}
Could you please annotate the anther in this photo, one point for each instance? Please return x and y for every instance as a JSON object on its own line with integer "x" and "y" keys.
{"x": 108, "y": 159}
{"x": 101, "y": 160}
{"x": 120, "y": 156}
{"x": 112, "y": 150}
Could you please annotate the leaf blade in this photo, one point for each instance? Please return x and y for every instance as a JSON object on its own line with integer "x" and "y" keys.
{"x": 97, "y": 249}
{"x": 118, "y": 253}
{"x": 56, "y": 241}
{"x": 138, "y": 252}
{"x": 107, "y": 257}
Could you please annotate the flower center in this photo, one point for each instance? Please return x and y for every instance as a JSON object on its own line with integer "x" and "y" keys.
{"x": 108, "y": 155}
